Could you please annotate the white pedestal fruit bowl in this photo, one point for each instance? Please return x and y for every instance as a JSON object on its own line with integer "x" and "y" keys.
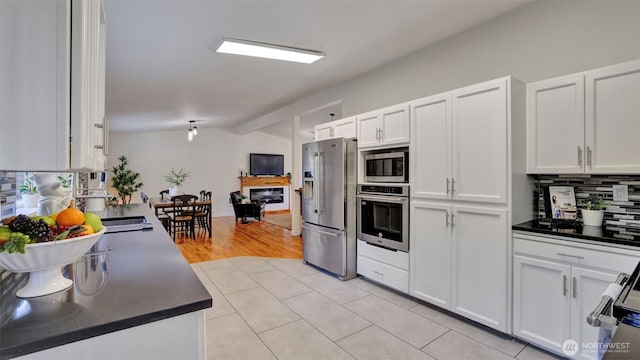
{"x": 44, "y": 261}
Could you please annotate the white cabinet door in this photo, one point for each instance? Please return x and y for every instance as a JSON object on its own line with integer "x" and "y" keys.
{"x": 479, "y": 128}
{"x": 86, "y": 24}
{"x": 555, "y": 126}
{"x": 480, "y": 237}
{"x": 369, "y": 129}
{"x": 587, "y": 286}
{"x": 323, "y": 132}
{"x": 395, "y": 126}
{"x": 430, "y": 255}
{"x": 541, "y": 305}
{"x": 345, "y": 128}
{"x": 61, "y": 74}
{"x": 384, "y": 127}
{"x": 34, "y": 96}
{"x": 430, "y": 160}
{"x": 613, "y": 119}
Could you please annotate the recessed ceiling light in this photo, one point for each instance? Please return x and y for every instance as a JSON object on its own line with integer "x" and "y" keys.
{"x": 268, "y": 51}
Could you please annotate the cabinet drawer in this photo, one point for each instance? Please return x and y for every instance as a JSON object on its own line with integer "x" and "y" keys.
{"x": 387, "y": 275}
{"x": 395, "y": 258}
{"x": 613, "y": 259}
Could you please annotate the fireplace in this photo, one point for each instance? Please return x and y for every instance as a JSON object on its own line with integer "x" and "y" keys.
{"x": 273, "y": 195}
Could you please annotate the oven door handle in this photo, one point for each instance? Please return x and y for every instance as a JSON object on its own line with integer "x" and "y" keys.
{"x": 384, "y": 198}
{"x": 609, "y": 295}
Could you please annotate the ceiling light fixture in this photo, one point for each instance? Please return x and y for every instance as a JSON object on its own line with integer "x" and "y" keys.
{"x": 193, "y": 130}
{"x": 268, "y": 51}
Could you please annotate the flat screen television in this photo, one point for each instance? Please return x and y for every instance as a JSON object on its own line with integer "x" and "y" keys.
{"x": 266, "y": 164}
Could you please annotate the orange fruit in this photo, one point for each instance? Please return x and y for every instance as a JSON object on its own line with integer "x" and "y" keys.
{"x": 70, "y": 217}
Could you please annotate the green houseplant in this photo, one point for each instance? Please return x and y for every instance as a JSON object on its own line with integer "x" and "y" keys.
{"x": 124, "y": 180}
{"x": 176, "y": 179}
{"x": 593, "y": 210}
{"x": 29, "y": 192}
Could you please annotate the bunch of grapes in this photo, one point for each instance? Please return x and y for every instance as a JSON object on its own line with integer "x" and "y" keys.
{"x": 38, "y": 231}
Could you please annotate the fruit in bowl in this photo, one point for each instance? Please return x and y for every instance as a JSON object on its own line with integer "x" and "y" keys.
{"x": 42, "y": 246}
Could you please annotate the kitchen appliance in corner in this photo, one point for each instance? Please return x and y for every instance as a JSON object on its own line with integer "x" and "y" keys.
{"x": 329, "y": 205}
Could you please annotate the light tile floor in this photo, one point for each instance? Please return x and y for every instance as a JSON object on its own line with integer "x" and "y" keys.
{"x": 269, "y": 308}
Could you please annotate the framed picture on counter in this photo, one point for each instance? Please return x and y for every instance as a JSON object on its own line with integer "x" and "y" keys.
{"x": 562, "y": 202}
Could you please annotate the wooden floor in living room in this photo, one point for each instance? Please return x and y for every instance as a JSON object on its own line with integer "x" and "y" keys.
{"x": 257, "y": 238}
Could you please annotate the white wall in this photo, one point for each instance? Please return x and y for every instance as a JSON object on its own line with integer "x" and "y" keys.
{"x": 214, "y": 159}
{"x": 540, "y": 40}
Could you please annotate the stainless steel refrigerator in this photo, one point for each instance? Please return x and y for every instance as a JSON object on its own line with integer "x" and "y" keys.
{"x": 329, "y": 205}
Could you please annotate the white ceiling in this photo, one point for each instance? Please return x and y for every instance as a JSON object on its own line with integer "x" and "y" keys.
{"x": 162, "y": 68}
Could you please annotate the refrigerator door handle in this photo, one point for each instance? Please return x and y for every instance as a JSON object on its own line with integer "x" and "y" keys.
{"x": 319, "y": 231}
{"x": 316, "y": 182}
{"x": 320, "y": 183}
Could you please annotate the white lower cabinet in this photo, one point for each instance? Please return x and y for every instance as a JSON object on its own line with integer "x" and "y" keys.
{"x": 555, "y": 287}
{"x": 387, "y": 267}
{"x": 458, "y": 260}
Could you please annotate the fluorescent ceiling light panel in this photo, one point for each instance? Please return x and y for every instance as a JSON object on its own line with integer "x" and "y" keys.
{"x": 268, "y": 51}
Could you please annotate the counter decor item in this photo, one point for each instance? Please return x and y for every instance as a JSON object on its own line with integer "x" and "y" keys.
{"x": 593, "y": 210}
{"x": 29, "y": 192}
{"x": 53, "y": 197}
{"x": 44, "y": 261}
{"x": 176, "y": 179}
{"x": 125, "y": 180}
{"x": 562, "y": 202}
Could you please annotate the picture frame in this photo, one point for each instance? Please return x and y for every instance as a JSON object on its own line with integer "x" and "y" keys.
{"x": 562, "y": 202}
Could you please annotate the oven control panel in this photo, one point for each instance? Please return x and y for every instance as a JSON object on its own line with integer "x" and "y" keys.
{"x": 396, "y": 190}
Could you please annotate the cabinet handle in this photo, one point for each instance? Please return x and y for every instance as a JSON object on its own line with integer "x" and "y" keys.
{"x": 579, "y": 156}
{"x": 573, "y": 256}
{"x": 447, "y": 186}
{"x": 381, "y": 134}
{"x": 589, "y": 156}
{"x": 378, "y": 273}
{"x": 575, "y": 287}
{"x": 452, "y": 224}
{"x": 564, "y": 285}
{"x": 446, "y": 216}
{"x": 453, "y": 185}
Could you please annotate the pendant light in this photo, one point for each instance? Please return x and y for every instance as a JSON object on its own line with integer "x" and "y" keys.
{"x": 193, "y": 130}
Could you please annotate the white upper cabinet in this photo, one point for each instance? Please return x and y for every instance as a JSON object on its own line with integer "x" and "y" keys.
{"x": 343, "y": 128}
{"x": 430, "y": 174}
{"x": 459, "y": 146}
{"x": 555, "y": 125}
{"x": 585, "y": 123}
{"x": 479, "y": 120}
{"x": 612, "y": 119}
{"x": 383, "y": 127}
{"x": 52, "y": 85}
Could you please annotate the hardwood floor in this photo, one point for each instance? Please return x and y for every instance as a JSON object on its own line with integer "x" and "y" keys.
{"x": 257, "y": 238}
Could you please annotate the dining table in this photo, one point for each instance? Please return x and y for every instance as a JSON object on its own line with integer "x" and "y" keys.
{"x": 164, "y": 203}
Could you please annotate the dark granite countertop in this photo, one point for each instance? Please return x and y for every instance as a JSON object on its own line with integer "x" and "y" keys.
{"x": 577, "y": 231}
{"x": 141, "y": 278}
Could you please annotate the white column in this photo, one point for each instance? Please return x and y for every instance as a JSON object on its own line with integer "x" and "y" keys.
{"x": 296, "y": 181}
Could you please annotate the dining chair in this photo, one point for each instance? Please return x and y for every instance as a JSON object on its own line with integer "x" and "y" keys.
{"x": 163, "y": 192}
{"x": 182, "y": 217}
{"x": 203, "y": 212}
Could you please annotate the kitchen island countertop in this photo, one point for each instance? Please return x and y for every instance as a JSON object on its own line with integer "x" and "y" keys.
{"x": 135, "y": 278}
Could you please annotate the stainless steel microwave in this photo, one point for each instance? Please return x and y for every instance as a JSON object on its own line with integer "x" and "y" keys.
{"x": 387, "y": 167}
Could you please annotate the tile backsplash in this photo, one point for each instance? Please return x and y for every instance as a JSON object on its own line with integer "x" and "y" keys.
{"x": 619, "y": 216}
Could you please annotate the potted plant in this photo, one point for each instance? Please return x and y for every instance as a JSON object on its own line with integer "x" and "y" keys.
{"x": 29, "y": 192}
{"x": 125, "y": 180}
{"x": 593, "y": 210}
{"x": 176, "y": 179}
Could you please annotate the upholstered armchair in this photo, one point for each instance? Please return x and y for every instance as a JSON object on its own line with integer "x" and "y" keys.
{"x": 243, "y": 208}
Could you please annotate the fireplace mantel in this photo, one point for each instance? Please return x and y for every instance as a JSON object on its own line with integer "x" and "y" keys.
{"x": 253, "y": 181}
